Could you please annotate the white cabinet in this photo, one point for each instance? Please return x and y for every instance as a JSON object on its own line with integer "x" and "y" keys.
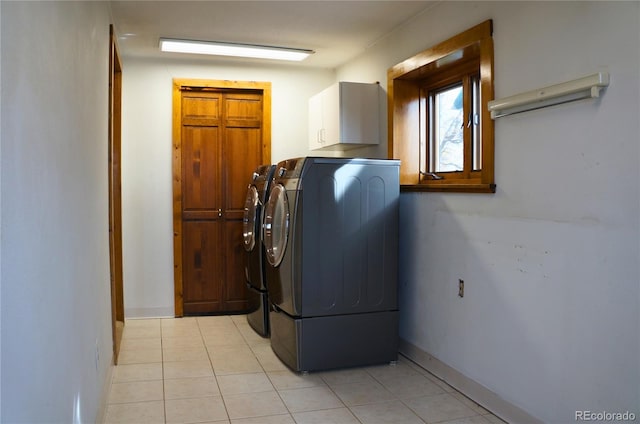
{"x": 345, "y": 116}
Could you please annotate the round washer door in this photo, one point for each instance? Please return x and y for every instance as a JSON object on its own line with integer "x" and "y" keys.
{"x": 276, "y": 225}
{"x": 249, "y": 224}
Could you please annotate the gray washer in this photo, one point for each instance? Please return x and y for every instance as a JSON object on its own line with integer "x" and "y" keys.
{"x": 257, "y": 195}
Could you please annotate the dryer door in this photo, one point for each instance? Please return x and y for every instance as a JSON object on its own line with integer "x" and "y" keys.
{"x": 276, "y": 225}
{"x": 249, "y": 221}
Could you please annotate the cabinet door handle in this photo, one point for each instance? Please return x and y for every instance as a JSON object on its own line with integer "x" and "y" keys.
{"x": 219, "y": 213}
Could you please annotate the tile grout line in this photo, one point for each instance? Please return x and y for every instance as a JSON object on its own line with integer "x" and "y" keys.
{"x": 164, "y": 396}
{"x": 215, "y": 376}
{"x": 266, "y": 373}
{"x": 397, "y": 398}
{"x": 447, "y": 389}
{"x": 338, "y": 397}
{"x": 349, "y": 407}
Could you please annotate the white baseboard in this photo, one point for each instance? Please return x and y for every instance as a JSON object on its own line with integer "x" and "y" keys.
{"x": 133, "y": 313}
{"x": 468, "y": 387}
{"x": 104, "y": 399}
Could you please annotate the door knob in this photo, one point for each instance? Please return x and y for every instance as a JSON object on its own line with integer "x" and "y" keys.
{"x": 219, "y": 213}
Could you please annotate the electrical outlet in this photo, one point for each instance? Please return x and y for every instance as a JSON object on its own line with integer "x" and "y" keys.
{"x": 461, "y": 288}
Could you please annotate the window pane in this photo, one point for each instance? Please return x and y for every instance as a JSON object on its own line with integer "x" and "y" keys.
{"x": 448, "y": 139}
{"x": 475, "y": 134}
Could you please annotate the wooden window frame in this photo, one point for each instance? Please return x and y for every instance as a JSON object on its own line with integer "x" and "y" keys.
{"x": 464, "y": 77}
{"x": 408, "y": 140}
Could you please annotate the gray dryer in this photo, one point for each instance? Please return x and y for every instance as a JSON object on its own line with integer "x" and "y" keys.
{"x": 331, "y": 239}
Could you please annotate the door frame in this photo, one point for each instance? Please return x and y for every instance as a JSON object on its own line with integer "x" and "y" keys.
{"x": 179, "y": 84}
{"x": 115, "y": 193}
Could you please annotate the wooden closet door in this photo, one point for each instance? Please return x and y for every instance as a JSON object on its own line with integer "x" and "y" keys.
{"x": 242, "y": 154}
{"x": 221, "y": 145}
{"x": 203, "y": 267}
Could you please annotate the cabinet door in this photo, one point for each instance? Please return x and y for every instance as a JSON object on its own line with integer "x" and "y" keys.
{"x": 359, "y": 113}
{"x": 331, "y": 115}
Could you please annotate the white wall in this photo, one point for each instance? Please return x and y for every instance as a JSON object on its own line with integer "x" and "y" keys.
{"x": 0, "y": 214}
{"x": 550, "y": 318}
{"x": 146, "y": 160}
{"x": 56, "y": 316}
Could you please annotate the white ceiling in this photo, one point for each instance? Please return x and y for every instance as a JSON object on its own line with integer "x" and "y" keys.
{"x": 336, "y": 30}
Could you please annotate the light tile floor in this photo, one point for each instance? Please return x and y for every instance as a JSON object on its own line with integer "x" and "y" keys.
{"x": 218, "y": 370}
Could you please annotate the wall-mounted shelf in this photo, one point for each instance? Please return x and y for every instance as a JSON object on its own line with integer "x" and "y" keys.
{"x": 582, "y": 88}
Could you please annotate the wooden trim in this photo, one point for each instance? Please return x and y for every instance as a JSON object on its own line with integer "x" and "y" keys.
{"x": 180, "y": 85}
{"x": 472, "y": 49}
{"x": 486, "y": 92}
{"x": 177, "y": 197}
{"x": 115, "y": 193}
{"x": 443, "y": 49}
{"x": 457, "y": 187}
{"x": 266, "y": 123}
{"x": 405, "y": 109}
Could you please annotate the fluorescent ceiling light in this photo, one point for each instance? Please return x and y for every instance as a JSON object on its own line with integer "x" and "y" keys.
{"x": 231, "y": 49}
